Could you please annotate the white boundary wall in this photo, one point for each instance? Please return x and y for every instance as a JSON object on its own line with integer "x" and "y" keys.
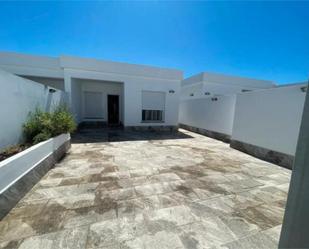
{"x": 270, "y": 118}
{"x": 211, "y": 115}
{"x": 19, "y": 97}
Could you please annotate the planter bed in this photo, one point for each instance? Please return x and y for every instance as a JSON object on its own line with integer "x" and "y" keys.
{"x": 19, "y": 173}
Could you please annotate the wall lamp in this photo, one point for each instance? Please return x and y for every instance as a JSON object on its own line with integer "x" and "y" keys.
{"x": 304, "y": 89}
{"x": 171, "y": 91}
{"x": 51, "y": 90}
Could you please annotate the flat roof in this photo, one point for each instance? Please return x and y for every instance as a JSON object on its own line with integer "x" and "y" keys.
{"x": 226, "y": 79}
{"x": 20, "y": 63}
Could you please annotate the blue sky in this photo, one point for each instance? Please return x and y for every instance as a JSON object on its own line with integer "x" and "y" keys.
{"x": 267, "y": 40}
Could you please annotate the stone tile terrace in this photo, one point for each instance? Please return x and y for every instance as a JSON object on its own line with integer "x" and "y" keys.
{"x": 145, "y": 190}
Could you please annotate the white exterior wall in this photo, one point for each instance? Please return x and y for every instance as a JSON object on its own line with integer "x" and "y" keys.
{"x": 207, "y": 114}
{"x": 269, "y": 118}
{"x": 135, "y": 79}
{"x": 18, "y": 97}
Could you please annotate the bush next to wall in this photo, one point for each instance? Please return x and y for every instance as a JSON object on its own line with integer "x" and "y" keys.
{"x": 41, "y": 125}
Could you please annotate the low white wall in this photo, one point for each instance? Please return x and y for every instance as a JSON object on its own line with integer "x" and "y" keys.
{"x": 269, "y": 118}
{"x": 207, "y": 114}
{"x": 18, "y": 97}
{"x": 15, "y": 167}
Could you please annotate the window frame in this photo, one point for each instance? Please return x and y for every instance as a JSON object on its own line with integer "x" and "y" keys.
{"x": 152, "y": 116}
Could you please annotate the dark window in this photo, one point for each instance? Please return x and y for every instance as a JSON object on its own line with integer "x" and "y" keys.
{"x": 152, "y": 115}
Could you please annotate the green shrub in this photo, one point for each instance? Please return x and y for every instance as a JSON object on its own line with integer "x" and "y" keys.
{"x": 62, "y": 121}
{"x": 41, "y": 125}
{"x": 41, "y": 137}
{"x": 38, "y": 122}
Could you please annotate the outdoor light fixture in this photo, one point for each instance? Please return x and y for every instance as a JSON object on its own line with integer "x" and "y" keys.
{"x": 171, "y": 91}
{"x": 51, "y": 90}
{"x": 304, "y": 89}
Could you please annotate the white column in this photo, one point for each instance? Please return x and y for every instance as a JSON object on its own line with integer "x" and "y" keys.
{"x": 68, "y": 87}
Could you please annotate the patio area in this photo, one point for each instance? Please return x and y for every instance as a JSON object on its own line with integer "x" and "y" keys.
{"x": 120, "y": 189}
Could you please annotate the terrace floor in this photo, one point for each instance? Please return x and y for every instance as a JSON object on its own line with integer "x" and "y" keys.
{"x": 145, "y": 190}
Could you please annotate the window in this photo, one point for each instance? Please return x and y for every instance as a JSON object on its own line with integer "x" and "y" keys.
{"x": 153, "y": 106}
{"x": 152, "y": 115}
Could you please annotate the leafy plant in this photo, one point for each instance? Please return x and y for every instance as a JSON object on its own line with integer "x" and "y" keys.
{"x": 38, "y": 122}
{"x": 62, "y": 121}
{"x": 41, "y": 125}
{"x": 41, "y": 137}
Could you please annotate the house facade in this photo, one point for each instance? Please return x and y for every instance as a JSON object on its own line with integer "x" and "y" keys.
{"x": 135, "y": 96}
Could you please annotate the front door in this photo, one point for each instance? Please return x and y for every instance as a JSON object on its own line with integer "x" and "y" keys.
{"x": 113, "y": 109}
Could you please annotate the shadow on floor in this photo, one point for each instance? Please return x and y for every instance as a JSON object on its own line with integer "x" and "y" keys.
{"x": 120, "y": 135}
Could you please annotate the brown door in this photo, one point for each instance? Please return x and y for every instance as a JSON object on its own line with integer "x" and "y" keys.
{"x": 113, "y": 109}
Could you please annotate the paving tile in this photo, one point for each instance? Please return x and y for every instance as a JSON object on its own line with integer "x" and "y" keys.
{"x": 210, "y": 208}
{"x": 37, "y": 242}
{"x": 269, "y": 194}
{"x": 159, "y": 240}
{"x": 274, "y": 179}
{"x": 273, "y": 232}
{"x": 239, "y": 186}
{"x": 151, "y": 190}
{"x": 256, "y": 241}
{"x": 71, "y": 238}
{"x": 264, "y": 216}
{"x": 13, "y": 244}
{"x": 86, "y": 216}
{"x": 179, "y": 215}
{"x": 211, "y": 233}
{"x": 103, "y": 234}
{"x": 239, "y": 226}
{"x": 242, "y": 200}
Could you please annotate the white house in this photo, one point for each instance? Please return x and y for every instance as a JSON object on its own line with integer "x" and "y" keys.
{"x": 114, "y": 93}
{"x": 212, "y": 84}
